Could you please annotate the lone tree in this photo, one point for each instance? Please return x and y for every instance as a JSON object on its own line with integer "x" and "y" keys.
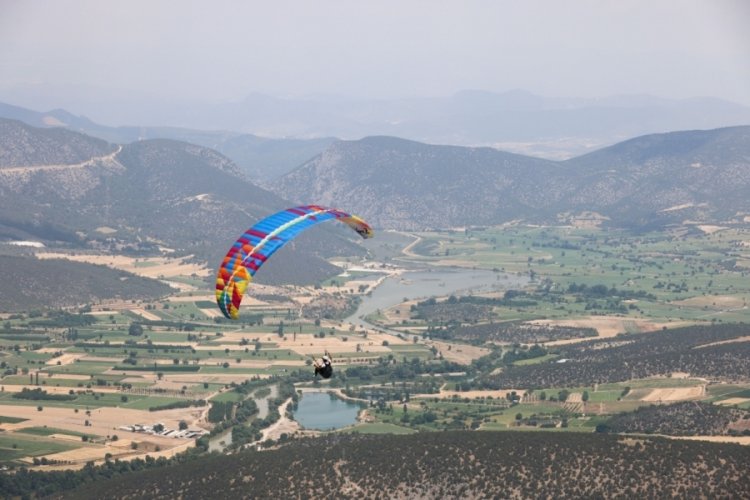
{"x": 135, "y": 329}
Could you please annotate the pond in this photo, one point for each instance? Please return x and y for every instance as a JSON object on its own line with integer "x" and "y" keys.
{"x": 323, "y": 411}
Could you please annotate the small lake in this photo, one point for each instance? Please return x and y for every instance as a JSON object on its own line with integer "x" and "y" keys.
{"x": 323, "y": 411}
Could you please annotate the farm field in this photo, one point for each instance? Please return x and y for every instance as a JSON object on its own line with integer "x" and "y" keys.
{"x": 176, "y": 362}
{"x": 609, "y": 281}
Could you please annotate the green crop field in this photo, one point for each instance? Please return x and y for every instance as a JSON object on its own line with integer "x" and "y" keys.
{"x": 48, "y": 431}
{"x": 670, "y": 267}
{"x": 16, "y": 446}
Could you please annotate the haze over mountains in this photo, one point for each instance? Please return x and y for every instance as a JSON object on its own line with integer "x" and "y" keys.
{"x": 260, "y": 158}
{"x": 517, "y": 121}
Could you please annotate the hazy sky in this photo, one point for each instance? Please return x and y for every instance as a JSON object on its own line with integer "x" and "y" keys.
{"x": 223, "y": 50}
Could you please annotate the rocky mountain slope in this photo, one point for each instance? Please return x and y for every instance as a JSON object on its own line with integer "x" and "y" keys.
{"x": 648, "y": 181}
{"x": 262, "y": 159}
{"x": 64, "y": 186}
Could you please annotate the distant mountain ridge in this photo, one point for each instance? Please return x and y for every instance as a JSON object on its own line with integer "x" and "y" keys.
{"x": 651, "y": 180}
{"x": 514, "y": 120}
{"x": 57, "y": 146}
{"x": 260, "y": 158}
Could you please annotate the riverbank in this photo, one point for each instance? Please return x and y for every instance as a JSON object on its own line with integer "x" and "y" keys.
{"x": 284, "y": 425}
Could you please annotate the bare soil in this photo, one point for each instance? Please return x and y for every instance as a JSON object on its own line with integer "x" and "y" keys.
{"x": 459, "y": 353}
{"x": 675, "y": 394}
{"x": 606, "y": 326}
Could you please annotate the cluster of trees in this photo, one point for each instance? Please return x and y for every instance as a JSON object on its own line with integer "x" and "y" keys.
{"x": 185, "y": 403}
{"x": 41, "y": 395}
{"x": 388, "y": 370}
{"x": 468, "y": 309}
{"x": 401, "y": 392}
{"x": 24, "y": 483}
{"x": 688, "y": 418}
{"x": 519, "y": 333}
{"x": 243, "y": 434}
{"x": 602, "y": 291}
{"x": 226, "y": 414}
{"x": 336, "y": 306}
{"x": 59, "y": 318}
{"x": 221, "y": 411}
{"x": 451, "y": 311}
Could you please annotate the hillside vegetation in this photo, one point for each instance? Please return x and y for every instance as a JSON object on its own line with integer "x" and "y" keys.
{"x": 29, "y": 283}
{"x": 688, "y": 418}
{"x": 702, "y": 351}
{"x": 55, "y": 147}
{"x": 451, "y": 465}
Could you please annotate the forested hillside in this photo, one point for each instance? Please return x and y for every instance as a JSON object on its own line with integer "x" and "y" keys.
{"x": 443, "y": 465}
{"x": 702, "y": 351}
{"x": 688, "y": 418}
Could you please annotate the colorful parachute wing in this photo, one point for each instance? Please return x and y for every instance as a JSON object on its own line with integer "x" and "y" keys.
{"x": 259, "y": 242}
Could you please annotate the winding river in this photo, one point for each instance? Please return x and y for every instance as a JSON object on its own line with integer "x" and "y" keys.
{"x": 221, "y": 441}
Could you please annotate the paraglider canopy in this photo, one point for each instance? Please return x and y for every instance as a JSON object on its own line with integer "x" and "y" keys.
{"x": 259, "y": 242}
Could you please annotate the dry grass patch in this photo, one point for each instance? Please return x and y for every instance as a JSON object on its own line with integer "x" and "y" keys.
{"x": 730, "y": 341}
{"x": 606, "y": 326}
{"x": 105, "y": 421}
{"x": 710, "y": 229}
{"x": 459, "y": 353}
{"x": 718, "y": 301}
{"x": 150, "y": 267}
{"x": 743, "y": 440}
{"x": 212, "y": 313}
{"x": 675, "y": 394}
{"x": 145, "y": 314}
{"x": 733, "y": 401}
{"x": 307, "y": 344}
{"x": 65, "y": 359}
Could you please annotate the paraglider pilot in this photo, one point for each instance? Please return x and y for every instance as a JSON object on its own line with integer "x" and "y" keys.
{"x": 323, "y": 366}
